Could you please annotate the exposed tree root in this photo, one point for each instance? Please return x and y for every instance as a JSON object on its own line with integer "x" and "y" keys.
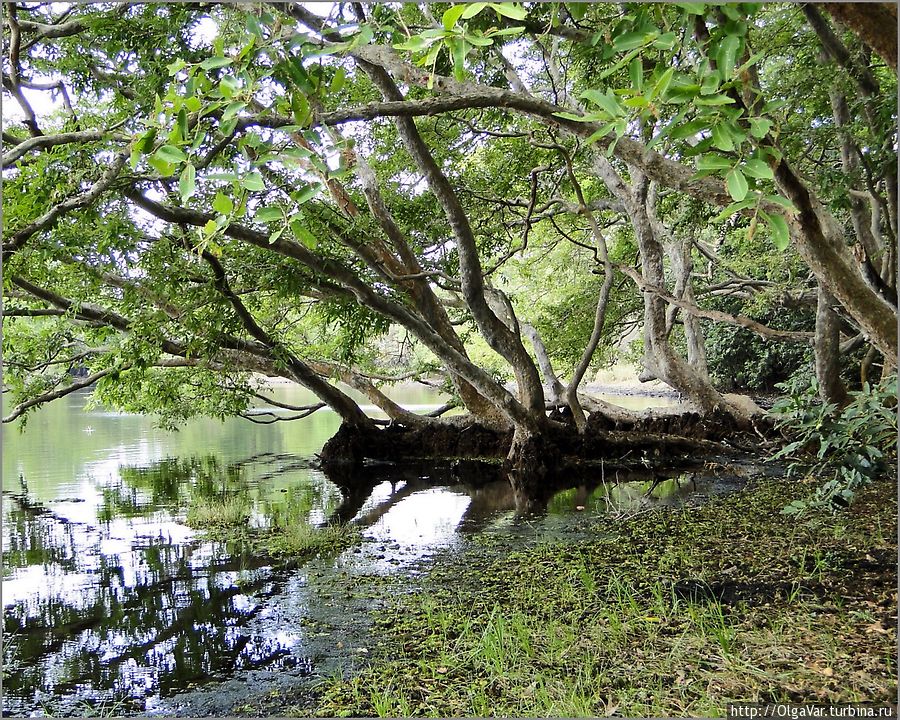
{"x": 534, "y": 463}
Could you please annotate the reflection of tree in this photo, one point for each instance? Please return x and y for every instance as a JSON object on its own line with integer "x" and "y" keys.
{"x": 356, "y": 484}
{"x": 152, "y": 618}
{"x": 35, "y": 535}
{"x": 173, "y": 623}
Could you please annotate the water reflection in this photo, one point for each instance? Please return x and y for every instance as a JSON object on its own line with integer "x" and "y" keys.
{"x": 111, "y": 600}
{"x": 132, "y": 606}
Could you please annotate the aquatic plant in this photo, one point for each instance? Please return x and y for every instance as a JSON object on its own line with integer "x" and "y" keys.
{"x": 639, "y": 622}
{"x": 212, "y": 512}
{"x": 303, "y": 539}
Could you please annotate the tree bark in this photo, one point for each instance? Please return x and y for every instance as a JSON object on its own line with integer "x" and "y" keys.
{"x": 875, "y": 24}
{"x": 828, "y": 353}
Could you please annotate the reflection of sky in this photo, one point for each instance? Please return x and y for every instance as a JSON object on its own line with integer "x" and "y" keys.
{"x": 427, "y": 517}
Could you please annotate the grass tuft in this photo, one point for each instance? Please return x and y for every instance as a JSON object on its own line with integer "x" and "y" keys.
{"x": 302, "y": 539}
{"x": 218, "y": 512}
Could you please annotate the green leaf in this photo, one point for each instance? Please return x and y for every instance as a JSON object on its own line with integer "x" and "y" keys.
{"x": 515, "y": 30}
{"x": 215, "y": 62}
{"x": 451, "y": 15}
{"x": 142, "y": 146}
{"x": 733, "y": 208}
{"x": 721, "y": 138}
{"x": 663, "y": 83}
{"x": 363, "y": 37}
{"x": 275, "y": 235}
{"x": 175, "y": 67}
{"x": 756, "y": 168}
{"x": 736, "y": 184}
{"x": 622, "y": 62}
{"x": 187, "y": 183}
{"x": 713, "y": 161}
{"x": 714, "y": 100}
{"x": 193, "y": 104}
{"x": 253, "y": 25}
{"x": 510, "y": 10}
{"x": 629, "y": 41}
{"x": 759, "y": 127}
{"x": 665, "y": 41}
{"x": 170, "y": 154}
{"x": 414, "y": 44}
{"x": 782, "y": 201}
{"x": 210, "y": 228}
{"x": 268, "y": 214}
{"x": 781, "y": 236}
{"x": 726, "y": 55}
{"x": 253, "y": 182}
{"x": 300, "y": 108}
{"x": 601, "y": 133}
{"x": 306, "y": 194}
{"x": 710, "y": 84}
{"x": 232, "y": 110}
{"x": 458, "y": 50}
{"x": 636, "y": 73}
{"x": 182, "y": 124}
{"x": 223, "y": 204}
{"x": 607, "y": 101}
{"x": 473, "y": 9}
{"x": 692, "y": 8}
{"x": 337, "y": 82}
{"x": 688, "y": 129}
{"x": 163, "y": 167}
{"x": 577, "y": 9}
{"x": 304, "y": 235}
{"x": 228, "y": 86}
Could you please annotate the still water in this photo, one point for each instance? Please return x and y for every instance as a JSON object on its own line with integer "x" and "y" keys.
{"x": 112, "y": 603}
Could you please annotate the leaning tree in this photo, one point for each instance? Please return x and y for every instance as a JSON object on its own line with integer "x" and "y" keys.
{"x": 196, "y": 194}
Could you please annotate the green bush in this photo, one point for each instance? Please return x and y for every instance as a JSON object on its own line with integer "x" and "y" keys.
{"x": 847, "y": 447}
{"x": 741, "y": 360}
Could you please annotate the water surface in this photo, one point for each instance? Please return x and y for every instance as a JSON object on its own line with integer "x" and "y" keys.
{"x": 112, "y": 604}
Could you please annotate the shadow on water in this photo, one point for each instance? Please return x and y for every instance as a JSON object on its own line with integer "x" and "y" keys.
{"x": 130, "y": 607}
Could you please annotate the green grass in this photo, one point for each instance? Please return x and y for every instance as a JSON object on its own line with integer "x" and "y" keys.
{"x": 302, "y": 539}
{"x": 674, "y": 613}
{"x": 218, "y": 512}
{"x": 290, "y": 536}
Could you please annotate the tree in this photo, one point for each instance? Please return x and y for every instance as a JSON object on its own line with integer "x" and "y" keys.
{"x": 278, "y": 197}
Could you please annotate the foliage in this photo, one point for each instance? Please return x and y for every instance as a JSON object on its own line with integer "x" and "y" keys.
{"x": 741, "y": 360}
{"x": 304, "y": 540}
{"x": 847, "y": 447}
{"x": 254, "y": 206}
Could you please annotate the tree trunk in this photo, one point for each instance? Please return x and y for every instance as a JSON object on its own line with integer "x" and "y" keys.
{"x": 554, "y": 386}
{"x": 679, "y": 253}
{"x": 875, "y": 24}
{"x": 827, "y": 351}
{"x": 531, "y": 461}
{"x": 820, "y": 241}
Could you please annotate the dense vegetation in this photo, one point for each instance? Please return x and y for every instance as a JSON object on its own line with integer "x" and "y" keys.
{"x": 195, "y": 194}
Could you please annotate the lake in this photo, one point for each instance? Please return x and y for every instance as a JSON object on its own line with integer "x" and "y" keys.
{"x": 112, "y": 604}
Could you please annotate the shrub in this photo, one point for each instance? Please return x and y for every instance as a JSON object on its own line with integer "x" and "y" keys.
{"x": 847, "y": 447}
